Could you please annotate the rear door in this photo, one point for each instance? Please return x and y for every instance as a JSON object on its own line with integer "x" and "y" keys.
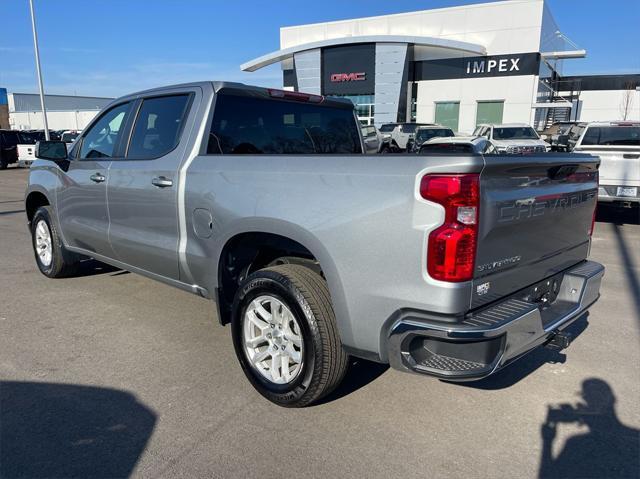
{"x": 535, "y": 220}
{"x": 143, "y": 186}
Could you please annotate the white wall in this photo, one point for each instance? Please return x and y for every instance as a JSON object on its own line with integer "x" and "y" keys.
{"x": 502, "y": 27}
{"x": 603, "y": 105}
{"x": 58, "y": 120}
{"x": 516, "y": 91}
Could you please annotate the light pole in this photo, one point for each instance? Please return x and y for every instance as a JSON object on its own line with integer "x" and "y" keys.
{"x": 38, "y": 70}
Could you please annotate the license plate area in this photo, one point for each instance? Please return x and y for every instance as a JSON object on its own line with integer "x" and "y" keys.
{"x": 543, "y": 293}
{"x": 627, "y": 191}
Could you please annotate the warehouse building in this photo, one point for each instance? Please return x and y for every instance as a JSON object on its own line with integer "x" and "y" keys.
{"x": 63, "y": 112}
{"x": 460, "y": 66}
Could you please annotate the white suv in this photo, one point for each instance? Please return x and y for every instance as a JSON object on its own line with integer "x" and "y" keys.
{"x": 513, "y": 138}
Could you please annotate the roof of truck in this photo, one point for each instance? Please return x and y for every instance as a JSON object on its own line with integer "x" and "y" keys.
{"x": 248, "y": 90}
{"x": 472, "y": 140}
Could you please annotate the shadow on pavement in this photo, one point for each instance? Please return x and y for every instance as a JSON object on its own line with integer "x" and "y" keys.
{"x": 529, "y": 363}
{"x": 629, "y": 266}
{"x": 12, "y": 212}
{"x": 611, "y": 214}
{"x": 361, "y": 372}
{"x": 61, "y": 430}
{"x": 607, "y": 449}
{"x": 92, "y": 267}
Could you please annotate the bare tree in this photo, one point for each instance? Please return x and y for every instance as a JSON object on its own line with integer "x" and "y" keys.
{"x": 626, "y": 104}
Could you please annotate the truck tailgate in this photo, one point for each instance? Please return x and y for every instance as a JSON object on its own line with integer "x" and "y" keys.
{"x": 535, "y": 220}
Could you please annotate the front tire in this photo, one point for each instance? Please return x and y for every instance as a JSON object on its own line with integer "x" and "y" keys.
{"x": 285, "y": 335}
{"x": 52, "y": 258}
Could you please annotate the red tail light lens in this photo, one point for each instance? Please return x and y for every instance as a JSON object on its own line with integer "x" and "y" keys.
{"x": 451, "y": 253}
{"x": 294, "y": 95}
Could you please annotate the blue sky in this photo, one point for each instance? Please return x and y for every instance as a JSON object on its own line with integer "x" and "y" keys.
{"x": 112, "y": 47}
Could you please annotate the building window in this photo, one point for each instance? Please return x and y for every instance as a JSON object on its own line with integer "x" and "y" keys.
{"x": 489, "y": 112}
{"x": 448, "y": 113}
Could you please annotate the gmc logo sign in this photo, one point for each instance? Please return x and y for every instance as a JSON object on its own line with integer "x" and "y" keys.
{"x": 340, "y": 77}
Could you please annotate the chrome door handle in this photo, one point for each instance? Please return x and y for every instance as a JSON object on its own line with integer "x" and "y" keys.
{"x": 97, "y": 178}
{"x": 162, "y": 182}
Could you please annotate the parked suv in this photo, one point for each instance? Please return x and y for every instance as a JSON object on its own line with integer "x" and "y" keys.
{"x": 263, "y": 201}
{"x": 617, "y": 143}
{"x": 513, "y": 138}
{"x": 425, "y": 133}
{"x": 399, "y": 134}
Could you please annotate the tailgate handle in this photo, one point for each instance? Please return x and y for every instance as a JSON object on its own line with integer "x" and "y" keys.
{"x": 630, "y": 157}
{"x": 561, "y": 171}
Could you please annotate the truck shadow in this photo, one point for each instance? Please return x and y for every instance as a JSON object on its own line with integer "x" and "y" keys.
{"x": 92, "y": 267}
{"x": 607, "y": 448}
{"x": 63, "y": 430}
{"x": 526, "y": 365}
{"x": 360, "y": 373}
{"x": 618, "y": 216}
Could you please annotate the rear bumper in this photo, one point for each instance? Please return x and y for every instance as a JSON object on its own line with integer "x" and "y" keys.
{"x": 489, "y": 339}
{"x": 607, "y": 194}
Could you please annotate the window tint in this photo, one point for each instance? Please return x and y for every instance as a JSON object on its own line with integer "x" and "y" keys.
{"x": 489, "y": 112}
{"x": 424, "y": 134}
{"x": 262, "y": 126}
{"x": 101, "y": 140}
{"x": 158, "y": 126}
{"x": 10, "y": 138}
{"x": 446, "y": 148}
{"x": 388, "y": 127}
{"x": 612, "y": 135}
{"x": 515, "y": 133}
{"x": 447, "y": 114}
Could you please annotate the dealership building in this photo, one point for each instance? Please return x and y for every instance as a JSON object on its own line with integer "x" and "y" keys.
{"x": 461, "y": 66}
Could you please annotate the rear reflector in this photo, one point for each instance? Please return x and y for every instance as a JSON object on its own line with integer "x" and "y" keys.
{"x": 451, "y": 251}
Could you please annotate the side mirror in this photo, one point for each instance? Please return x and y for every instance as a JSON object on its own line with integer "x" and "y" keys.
{"x": 51, "y": 150}
{"x": 544, "y": 137}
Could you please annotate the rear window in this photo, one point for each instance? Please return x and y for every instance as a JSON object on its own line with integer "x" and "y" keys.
{"x": 424, "y": 134}
{"x": 515, "y": 133}
{"x": 612, "y": 135}
{"x": 249, "y": 125}
{"x": 69, "y": 137}
{"x": 446, "y": 148}
{"x": 388, "y": 127}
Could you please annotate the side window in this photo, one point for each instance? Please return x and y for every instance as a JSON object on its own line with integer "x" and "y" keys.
{"x": 102, "y": 138}
{"x": 158, "y": 126}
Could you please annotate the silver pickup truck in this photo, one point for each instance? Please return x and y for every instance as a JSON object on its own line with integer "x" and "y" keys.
{"x": 262, "y": 200}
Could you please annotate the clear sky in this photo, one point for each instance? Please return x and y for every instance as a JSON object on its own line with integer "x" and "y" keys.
{"x": 113, "y": 47}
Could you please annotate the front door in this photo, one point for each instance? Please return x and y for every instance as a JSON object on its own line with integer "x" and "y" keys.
{"x": 82, "y": 200}
{"x": 143, "y": 187}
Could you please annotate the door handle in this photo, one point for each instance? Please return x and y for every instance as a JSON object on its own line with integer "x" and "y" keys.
{"x": 97, "y": 178}
{"x": 162, "y": 182}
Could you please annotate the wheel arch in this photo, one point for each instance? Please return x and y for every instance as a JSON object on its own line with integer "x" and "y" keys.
{"x": 34, "y": 199}
{"x": 288, "y": 237}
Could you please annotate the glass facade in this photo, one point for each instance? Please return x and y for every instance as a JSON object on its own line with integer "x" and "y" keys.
{"x": 365, "y": 107}
{"x": 447, "y": 114}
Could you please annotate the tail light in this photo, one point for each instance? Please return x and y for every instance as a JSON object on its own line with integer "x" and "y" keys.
{"x": 451, "y": 253}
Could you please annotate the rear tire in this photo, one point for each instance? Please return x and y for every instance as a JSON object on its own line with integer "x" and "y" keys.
{"x": 52, "y": 258}
{"x": 308, "y": 334}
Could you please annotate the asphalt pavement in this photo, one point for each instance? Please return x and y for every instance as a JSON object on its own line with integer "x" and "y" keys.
{"x": 114, "y": 375}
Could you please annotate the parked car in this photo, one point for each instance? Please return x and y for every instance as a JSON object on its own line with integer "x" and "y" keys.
{"x": 513, "y": 138}
{"x": 372, "y": 139}
{"x": 477, "y": 145}
{"x": 9, "y": 140}
{"x": 617, "y": 143}
{"x": 425, "y": 133}
{"x": 313, "y": 251}
{"x": 557, "y": 135}
{"x": 399, "y": 134}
